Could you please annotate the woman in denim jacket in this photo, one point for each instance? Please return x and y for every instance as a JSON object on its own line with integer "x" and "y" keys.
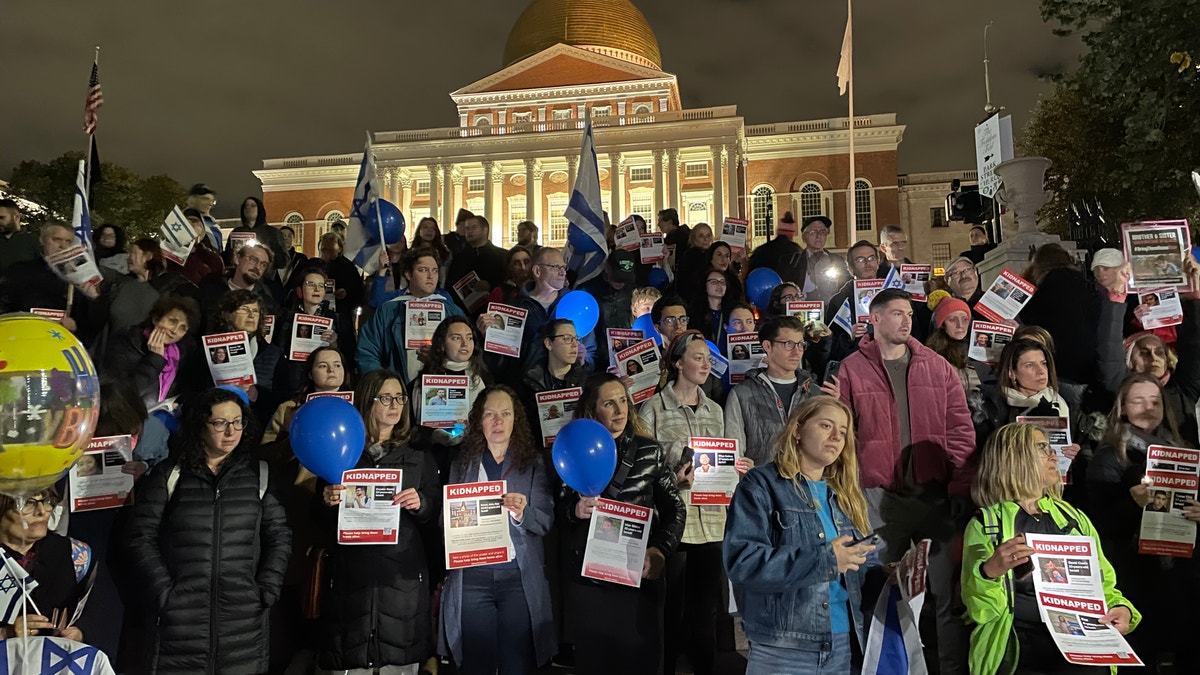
{"x": 787, "y": 546}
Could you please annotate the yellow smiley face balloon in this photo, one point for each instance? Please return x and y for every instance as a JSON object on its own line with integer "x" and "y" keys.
{"x": 49, "y": 402}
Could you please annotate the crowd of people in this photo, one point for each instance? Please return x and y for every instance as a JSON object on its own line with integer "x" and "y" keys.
{"x": 852, "y": 446}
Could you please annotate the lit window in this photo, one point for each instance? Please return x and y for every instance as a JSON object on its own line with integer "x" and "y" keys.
{"x": 483, "y": 121}
{"x": 641, "y": 173}
{"x": 558, "y": 222}
{"x": 564, "y": 114}
{"x": 293, "y": 219}
{"x": 941, "y": 255}
{"x": 864, "y": 216}
{"x": 812, "y": 202}
{"x": 641, "y": 202}
{"x": 522, "y": 117}
{"x": 602, "y": 111}
{"x": 937, "y": 217}
{"x": 334, "y": 216}
{"x": 516, "y": 213}
{"x": 476, "y": 184}
{"x": 643, "y": 109}
{"x": 422, "y": 187}
{"x": 695, "y": 170}
{"x": 762, "y": 208}
{"x": 697, "y": 212}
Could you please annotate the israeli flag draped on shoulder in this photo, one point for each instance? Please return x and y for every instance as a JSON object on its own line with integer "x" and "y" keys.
{"x": 81, "y": 218}
{"x": 587, "y": 246}
{"x": 50, "y": 656}
{"x": 14, "y": 583}
{"x": 359, "y": 246}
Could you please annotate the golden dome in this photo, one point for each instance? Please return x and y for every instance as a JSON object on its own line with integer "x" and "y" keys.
{"x": 612, "y": 27}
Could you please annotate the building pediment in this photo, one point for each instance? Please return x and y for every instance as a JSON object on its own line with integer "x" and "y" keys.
{"x": 559, "y": 66}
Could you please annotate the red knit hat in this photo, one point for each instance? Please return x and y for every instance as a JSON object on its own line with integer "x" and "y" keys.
{"x": 945, "y": 306}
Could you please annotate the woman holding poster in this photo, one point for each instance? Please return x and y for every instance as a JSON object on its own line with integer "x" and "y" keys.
{"x": 709, "y": 310}
{"x": 242, "y": 310}
{"x": 951, "y": 328}
{"x": 791, "y": 524}
{"x": 497, "y": 618}
{"x": 1119, "y": 493}
{"x": 695, "y": 577}
{"x": 1019, "y": 490}
{"x": 376, "y": 608}
{"x": 308, "y": 298}
{"x": 616, "y": 628}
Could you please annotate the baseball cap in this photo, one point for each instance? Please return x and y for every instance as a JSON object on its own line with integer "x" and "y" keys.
{"x": 621, "y": 264}
{"x": 817, "y": 219}
{"x": 201, "y": 189}
{"x": 1108, "y": 257}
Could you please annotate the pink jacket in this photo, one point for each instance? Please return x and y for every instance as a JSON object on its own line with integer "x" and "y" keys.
{"x": 943, "y": 438}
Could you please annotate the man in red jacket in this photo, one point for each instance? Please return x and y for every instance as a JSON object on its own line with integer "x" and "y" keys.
{"x": 915, "y": 446}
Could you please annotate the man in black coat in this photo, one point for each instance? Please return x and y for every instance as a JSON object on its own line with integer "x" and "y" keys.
{"x": 250, "y": 272}
{"x": 488, "y": 261}
{"x": 676, "y": 236}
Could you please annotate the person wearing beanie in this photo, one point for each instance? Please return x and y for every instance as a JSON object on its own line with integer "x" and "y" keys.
{"x": 951, "y": 328}
{"x": 780, "y": 251}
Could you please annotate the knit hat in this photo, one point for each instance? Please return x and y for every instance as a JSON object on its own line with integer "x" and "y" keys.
{"x": 786, "y": 227}
{"x": 943, "y": 305}
{"x": 1131, "y": 341}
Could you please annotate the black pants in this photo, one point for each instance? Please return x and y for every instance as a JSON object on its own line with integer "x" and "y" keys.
{"x": 497, "y": 633}
{"x": 617, "y": 629}
{"x": 695, "y": 589}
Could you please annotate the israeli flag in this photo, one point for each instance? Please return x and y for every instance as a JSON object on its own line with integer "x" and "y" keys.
{"x": 177, "y": 229}
{"x": 359, "y": 246}
{"x": 81, "y": 218}
{"x": 893, "y": 280}
{"x": 587, "y": 246}
{"x": 15, "y": 582}
{"x": 893, "y": 640}
{"x": 844, "y": 318}
{"x": 51, "y": 656}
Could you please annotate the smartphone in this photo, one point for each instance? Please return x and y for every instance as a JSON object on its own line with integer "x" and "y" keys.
{"x": 685, "y": 459}
{"x": 832, "y": 370}
{"x": 868, "y": 538}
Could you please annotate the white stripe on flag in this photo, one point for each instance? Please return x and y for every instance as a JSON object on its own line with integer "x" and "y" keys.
{"x": 366, "y": 192}
{"x": 587, "y": 246}
{"x": 81, "y": 219}
{"x": 177, "y": 228}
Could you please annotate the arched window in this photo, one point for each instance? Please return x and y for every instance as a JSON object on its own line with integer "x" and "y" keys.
{"x": 331, "y": 218}
{"x": 483, "y": 121}
{"x": 642, "y": 109}
{"x": 762, "y": 209}
{"x": 812, "y": 201}
{"x": 864, "y": 205}
{"x": 293, "y": 220}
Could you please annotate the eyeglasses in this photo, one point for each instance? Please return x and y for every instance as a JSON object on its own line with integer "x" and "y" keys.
{"x": 567, "y": 339}
{"x": 388, "y": 399}
{"x": 30, "y": 505}
{"x": 1045, "y": 449}
{"x": 866, "y": 259}
{"x": 960, "y": 274}
{"x": 791, "y": 297}
{"x": 717, "y": 282}
{"x": 221, "y": 425}
{"x": 313, "y": 284}
{"x": 554, "y": 268}
{"x": 248, "y": 311}
{"x": 788, "y": 345}
{"x": 672, "y": 321}
{"x": 255, "y": 262}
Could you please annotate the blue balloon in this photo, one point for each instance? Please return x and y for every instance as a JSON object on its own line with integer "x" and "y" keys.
{"x": 759, "y": 285}
{"x": 393, "y": 222}
{"x": 327, "y": 436}
{"x": 585, "y": 456}
{"x": 646, "y": 324}
{"x": 237, "y": 390}
{"x": 657, "y": 278}
{"x": 581, "y": 308}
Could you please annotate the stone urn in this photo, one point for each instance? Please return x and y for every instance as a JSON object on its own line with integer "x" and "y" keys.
{"x": 1023, "y": 190}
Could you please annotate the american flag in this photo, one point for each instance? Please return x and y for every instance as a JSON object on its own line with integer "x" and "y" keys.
{"x": 95, "y": 99}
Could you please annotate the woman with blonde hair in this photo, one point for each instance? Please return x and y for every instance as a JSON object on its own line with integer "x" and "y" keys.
{"x": 1019, "y": 491}
{"x": 789, "y": 544}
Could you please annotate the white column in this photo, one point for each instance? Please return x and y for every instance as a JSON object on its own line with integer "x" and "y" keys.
{"x": 456, "y": 179}
{"x": 539, "y": 213}
{"x": 533, "y": 192}
{"x": 718, "y": 178}
{"x": 406, "y": 183}
{"x": 673, "y": 177}
{"x": 489, "y": 200}
{"x": 447, "y": 198}
{"x": 658, "y": 182}
{"x": 572, "y": 171}
{"x": 737, "y": 206}
{"x": 434, "y": 187}
{"x": 616, "y": 182}
{"x": 389, "y": 182}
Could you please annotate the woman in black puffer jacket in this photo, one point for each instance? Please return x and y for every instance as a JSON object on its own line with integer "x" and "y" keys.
{"x": 615, "y": 628}
{"x": 208, "y": 544}
{"x": 376, "y": 610}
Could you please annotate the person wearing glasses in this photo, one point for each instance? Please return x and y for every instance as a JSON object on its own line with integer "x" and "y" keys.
{"x": 309, "y": 298}
{"x": 375, "y": 613}
{"x": 62, "y": 568}
{"x": 962, "y": 280}
{"x": 864, "y": 264}
{"x": 250, "y": 272}
{"x": 759, "y": 406}
{"x": 241, "y": 310}
{"x": 710, "y": 312}
{"x": 916, "y": 446}
{"x": 1019, "y": 492}
{"x": 208, "y": 544}
{"x": 158, "y": 355}
{"x": 540, "y": 298}
{"x": 781, "y": 295}
{"x": 558, "y": 369}
{"x": 670, "y": 317}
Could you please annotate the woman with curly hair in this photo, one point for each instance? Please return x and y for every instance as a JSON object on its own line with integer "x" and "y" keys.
{"x": 208, "y": 544}
{"x": 497, "y": 618}
{"x": 455, "y": 351}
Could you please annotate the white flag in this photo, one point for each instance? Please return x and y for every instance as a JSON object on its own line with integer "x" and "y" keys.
{"x": 843, "y": 69}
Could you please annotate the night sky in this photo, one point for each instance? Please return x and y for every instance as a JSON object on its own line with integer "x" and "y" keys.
{"x": 205, "y": 91}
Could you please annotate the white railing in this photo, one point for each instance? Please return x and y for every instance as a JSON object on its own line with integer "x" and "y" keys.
{"x": 831, "y": 124}
{"x": 937, "y": 177}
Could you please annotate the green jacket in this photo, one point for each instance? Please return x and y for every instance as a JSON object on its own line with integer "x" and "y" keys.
{"x": 994, "y": 648}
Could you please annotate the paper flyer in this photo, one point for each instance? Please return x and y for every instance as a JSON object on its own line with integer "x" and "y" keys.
{"x": 1155, "y": 251}
{"x": 475, "y": 525}
{"x": 914, "y": 278}
{"x": 1058, "y": 433}
{"x": 331, "y": 293}
{"x": 466, "y": 290}
{"x": 55, "y": 315}
{"x": 807, "y": 310}
{"x": 1165, "y": 308}
{"x": 864, "y": 292}
{"x": 641, "y": 363}
{"x": 620, "y": 339}
{"x": 229, "y": 359}
{"x": 652, "y": 247}
{"x": 1005, "y": 297}
{"x": 421, "y": 319}
{"x": 1070, "y": 597}
{"x": 1172, "y": 475}
{"x": 505, "y": 330}
{"x": 554, "y": 410}
{"x": 97, "y": 480}
{"x": 445, "y": 400}
{"x": 307, "y": 331}
{"x": 713, "y": 474}
{"x": 744, "y": 351}
{"x": 733, "y": 232}
{"x": 77, "y": 266}
{"x": 347, "y": 396}
{"x": 238, "y": 241}
{"x": 987, "y": 340}
{"x": 366, "y": 514}
{"x": 628, "y": 236}
{"x": 269, "y": 328}
{"x": 616, "y": 543}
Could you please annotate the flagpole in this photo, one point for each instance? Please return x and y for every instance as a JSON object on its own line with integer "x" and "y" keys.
{"x": 87, "y": 171}
{"x": 850, "y": 90}
{"x": 378, "y": 212}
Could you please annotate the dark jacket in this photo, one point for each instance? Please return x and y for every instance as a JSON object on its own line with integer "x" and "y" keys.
{"x": 31, "y": 283}
{"x": 211, "y": 292}
{"x": 376, "y": 610}
{"x": 267, "y": 236}
{"x": 775, "y": 255}
{"x": 538, "y": 379}
{"x": 615, "y": 311}
{"x": 210, "y": 561}
{"x": 1067, "y": 306}
{"x": 202, "y": 264}
{"x": 129, "y": 356}
{"x": 649, "y": 482}
{"x": 20, "y": 246}
{"x": 489, "y": 262}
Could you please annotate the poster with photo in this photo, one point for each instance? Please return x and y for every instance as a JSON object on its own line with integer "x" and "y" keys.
{"x": 652, "y": 248}
{"x": 733, "y": 232}
{"x": 229, "y": 359}
{"x": 307, "y": 333}
{"x": 366, "y": 514}
{"x": 98, "y": 480}
{"x": 744, "y": 351}
{"x": 713, "y": 474}
{"x": 1005, "y": 298}
{"x": 554, "y": 410}
{"x": 475, "y": 525}
{"x": 445, "y": 400}
{"x": 987, "y": 340}
{"x": 641, "y": 363}
{"x": 468, "y": 290}
{"x": 628, "y": 236}
{"x": 238, "y": 241}
{"x": 347, "y": 396}
{"x": 620, "y": 339}
{"x": 1172, "y": 477}
{"x": 616, "y": 543}
{"x": 1155, "y": 251}
{"x": 505, "y": 329}
{"x": 914, "y": 278}
{"x": 78, "y": 267}
{"x": 808, "y": 311}
{"x": 421, "y": 319}
{"x": 865, "y": 291}
{"x": 1164, "y": 308}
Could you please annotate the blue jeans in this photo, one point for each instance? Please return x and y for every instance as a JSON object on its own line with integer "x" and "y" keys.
{"x": 768, "y": 660}
{"x": 496, "y": 628}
